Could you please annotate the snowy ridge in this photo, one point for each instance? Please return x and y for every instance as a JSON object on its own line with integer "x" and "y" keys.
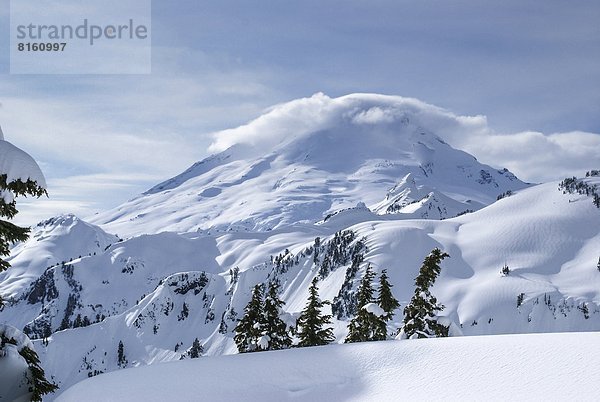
{"x": 60, "y": 239}
{"x": 105, "y": 283}
{"x": 196, "y": 169}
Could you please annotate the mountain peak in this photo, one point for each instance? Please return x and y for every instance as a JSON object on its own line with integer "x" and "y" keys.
{"x": 306, "y": 159}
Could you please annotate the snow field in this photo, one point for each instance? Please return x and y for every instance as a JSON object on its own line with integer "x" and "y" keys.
{"x": 497, "y": 368}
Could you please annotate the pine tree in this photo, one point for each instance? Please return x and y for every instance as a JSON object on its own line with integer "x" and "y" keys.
{"x": 34, "y": 374}
{"x": 11, "y": 233}
{"x": 78, "y": 322}
{"x": 274, "y": 327}
{"x": 388, "y": 304}
{"x": 249, "y": 328}
{"x": 366, "y": 326}
{"x": 420, "y": 314}
{"x": 365, "y": 289}
{"x": 121, "y": 359}
{"x": 386, "y": 299}
{"x": 196, "y": 350}
{"x": 185, "y": 312}
{"x": 39, "y": 384}
{"x": 311, "y": 321}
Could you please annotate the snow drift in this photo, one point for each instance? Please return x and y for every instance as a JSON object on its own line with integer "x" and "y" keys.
{"x": 509, "y": 367}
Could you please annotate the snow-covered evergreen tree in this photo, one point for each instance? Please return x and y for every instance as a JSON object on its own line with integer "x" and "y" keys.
{"x": 19, "y": 176}
{"x": 274, "y": 328}
{"x": 420, "y": 315}
{"x": 368, "y": 324}
{"x": 248, "y": 331}
{"x": 16, "y": 351}
{"x": 311, "y": 322}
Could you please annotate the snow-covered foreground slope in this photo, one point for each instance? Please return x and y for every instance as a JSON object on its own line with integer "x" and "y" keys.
{"x": 309, "y": 158}
{"x": 507, "y": 367}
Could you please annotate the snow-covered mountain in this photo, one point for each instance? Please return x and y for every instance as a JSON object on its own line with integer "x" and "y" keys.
{"x": 157, "y": 293}
{"x": 339, "y": 184}
{"x": 323, "y": 155}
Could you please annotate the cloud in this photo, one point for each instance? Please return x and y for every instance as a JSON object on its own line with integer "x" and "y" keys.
{"x": 122, "y": 125}
{"x": 151, "y": 124}
{"x": 537, "y": 157}
{"x": 57, "y": 132}
{"x": 66, "y": 195}
{"x": 320, "y": 112}
{"x": 533, "y": 156}
{"x": 280, "y": 122}
{"x": 374, "y": 115}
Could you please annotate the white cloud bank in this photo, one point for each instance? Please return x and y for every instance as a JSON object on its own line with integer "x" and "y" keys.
{"x": 533, "y": 156}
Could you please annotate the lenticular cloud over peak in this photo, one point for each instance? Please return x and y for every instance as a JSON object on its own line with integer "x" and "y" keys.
{"x": 320, "y": 112}
{"x": 557, "y": 154}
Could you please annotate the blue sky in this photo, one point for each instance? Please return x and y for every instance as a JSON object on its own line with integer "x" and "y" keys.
{"x": 531, "y": 67}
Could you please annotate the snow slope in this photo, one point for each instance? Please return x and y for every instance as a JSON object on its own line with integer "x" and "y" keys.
{"x": 59, "y": 239}
{"x": 135, "y": 290}
{"x": 508, "y": 367}
{"x": 308, "y": 158}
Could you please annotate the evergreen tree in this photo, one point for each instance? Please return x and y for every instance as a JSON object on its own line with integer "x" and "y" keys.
{"x": 185, "y": 312}
{"x": 274, "y": 328}
{"x": 223, "y": 326}
{"x": 249, "y": 328}
{"x": 9, "y": 232}
{"x": 388, "y": 303}
{"x": 365, "y": 289}
{"x": 420, "y": 314}
{"x": 39, "y": 384}
{"x": 121, "y": 359}
{"x": 196, "y": 350}
{"x": 386, "y": 299}
{"x": 366, "y": 325}
{"x": 311, "y": 321}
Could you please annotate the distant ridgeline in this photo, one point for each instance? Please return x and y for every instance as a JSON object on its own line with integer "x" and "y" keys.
{"x": 574, "y": 185}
